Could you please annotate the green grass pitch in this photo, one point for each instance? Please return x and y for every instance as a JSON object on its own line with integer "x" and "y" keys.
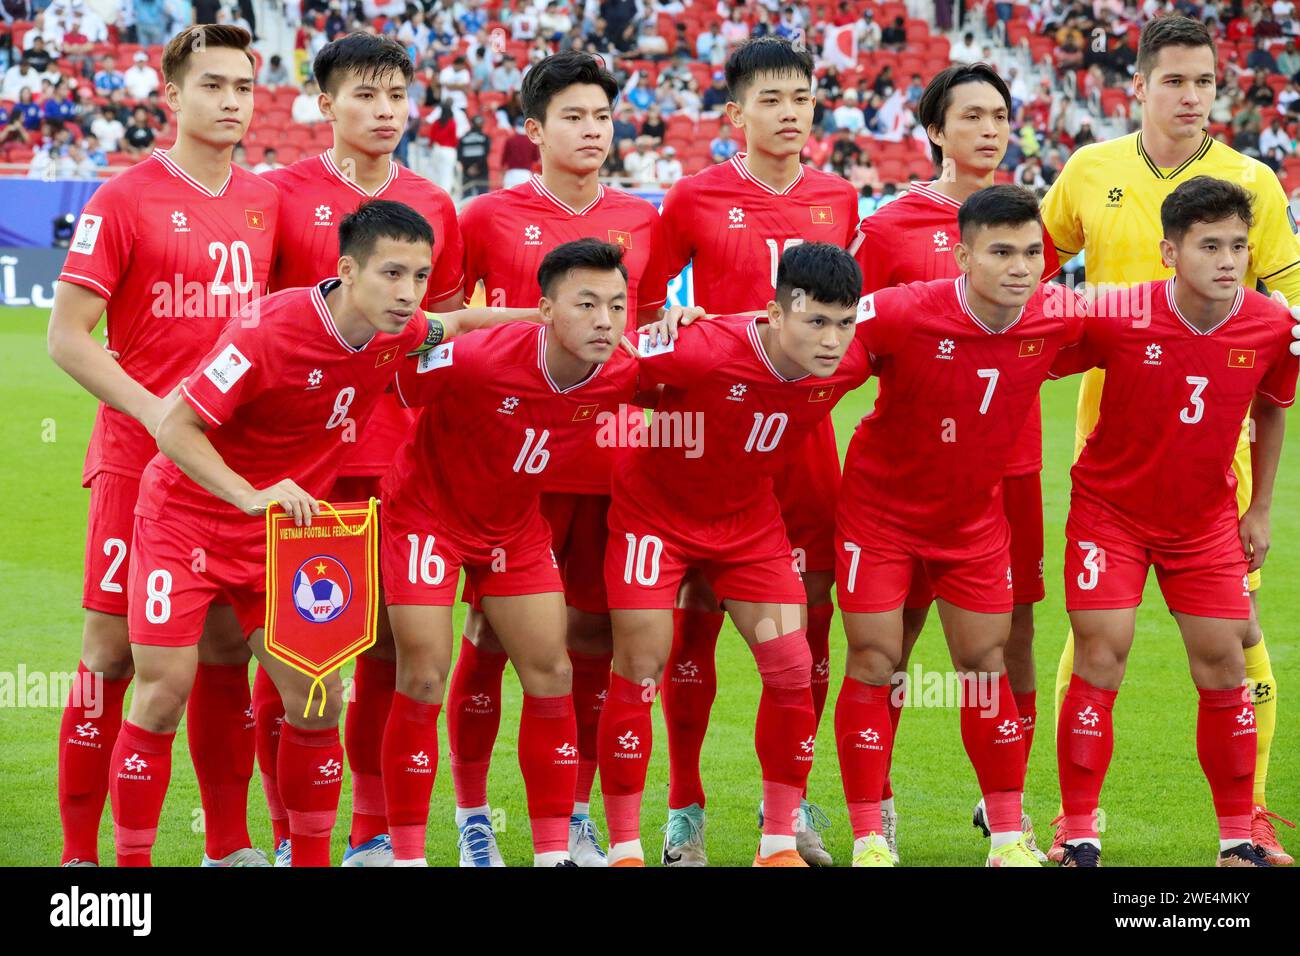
{"x": 1156, "y": 801}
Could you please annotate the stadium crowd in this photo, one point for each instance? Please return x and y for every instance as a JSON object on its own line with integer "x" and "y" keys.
{"x": 81, "y": 86}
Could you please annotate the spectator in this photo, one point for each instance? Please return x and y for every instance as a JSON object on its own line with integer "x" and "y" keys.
{"x": 723, "y": 146}
{"x": 734, "y": 28}
{"x": 915, "y": 88}
{"x": 1288, "y": 61}
{"x": 443, "y": 137}
{"x": 866, "y": 202}
{"x": 706, "y": 41}
{"x": 639, "y": 90}
{"x": 669, "y": 168}
{"x": 717, "y": 95}
{"x": 863, "y": 174}
{"x": 1267, "y": 26}
{"x": 824, "y": 111}
{"x": 869, "y": 32}
{"x": 138, "y": 139}
{"x": 270, "y": 161}
{"x": 61, "y": 106}
{"x": 151, "y": 22}
{"x": 22, "y": 76}
{"x": 274, "y": 72}
{"x": 1275, "y": 145}
{"x": 624, "y": 126}
{"x": 523, "y": 24}
{"x": 94, "y": 152}
{"x": 1288, "y": 99}
{"x": 472, "y": 152}
{"x": 817, "y": 151}
{"x": 107, "y": 78}
{"x": 39, "y": 57}
{"x": 894, "y": 37}
{"x": 13, "y": 130}
{"x": 640, "y": 164}
{"x": 884, "y": 83}
{"x": 140, "y": 79}
{"x": 11, "y": 10}
{"x": 965, "y": 52}
{"x": 153, "y": 103}
{"x": 554, "y": 21}
{"x": 1246, "y": 138}
{"x": 653, "y": 125}
{"x": 1260, "y": 93}
{"x": 689, "y": 101}
{"x": 507, "y": 77}
{"x": 108, "y": 129}
{"x": 848, "y": 117}
{"x": 844, "y": 152}
{"x": 1029, "y": 174}
{"x": 1052, "y": 164}
{"x": 1085, "y": 134}
{"x": 1260, "y": 60}
{"x": 650, "y": 44}
{"x": 305, "y": 108}
{"x": 518, "y": 157}
{"x": 239, "y": 157}
{"x": 455, "y": 81}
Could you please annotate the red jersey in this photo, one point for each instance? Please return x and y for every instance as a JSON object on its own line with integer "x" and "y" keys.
{"x": 282, "y": 398}
{"x": 953, "y": 398}
{"x": 734, "y": 228}
{"x": 911, "y": 240}
{"x": 507, "y": 234}
{"x": 175, "y": 262}
{"x": 727, "y": 421}
{"x": 314, "y": 196}
{"x": 496, "y": 427}
{"x": 1171, "y": 411}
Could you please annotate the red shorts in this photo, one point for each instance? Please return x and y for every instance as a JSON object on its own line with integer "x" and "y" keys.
{"x": 808, "y": 489}
{"x": 176, "y": 573}
{"x": 354, "y": 488}
{"x": 108, "y": 542}
{"x": 579, "y": 529}
{"x": 876, "y": 569}
{"x": 744, "y": 556}
{"x": 1022, "y": 503}
{"x": 421, "y": 562}
{"x": 1106, "y": 566}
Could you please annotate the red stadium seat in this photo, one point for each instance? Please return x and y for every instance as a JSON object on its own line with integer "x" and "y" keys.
{"x": 1114, "y": 101}
{"x": 918, "y": 31}
{"x": 1017, "y": 30}
{"x": 893, "y": 171}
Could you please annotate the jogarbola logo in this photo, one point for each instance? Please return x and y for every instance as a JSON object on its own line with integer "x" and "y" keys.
{"x": 1114, "y": 197}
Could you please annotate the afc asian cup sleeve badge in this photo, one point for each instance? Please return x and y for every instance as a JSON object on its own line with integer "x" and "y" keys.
{"x": 322, "y": 589}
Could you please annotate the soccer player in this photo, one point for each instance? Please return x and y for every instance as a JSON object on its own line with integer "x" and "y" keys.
{"x": 363, "y": 81}
{"x": 506, "y": 407}
{"x": 960, "y": 365}
{"x": 170, "y": 249}
{"x": 1106, "y": 203}
{"x": 1186, "y": 359}
{"x": 965, "y": 111}
{"x": 754, "y": 390}
{"x": 733, "y": 221}
{"x": 275, "y": 396}
{"x": 567, "y": 99}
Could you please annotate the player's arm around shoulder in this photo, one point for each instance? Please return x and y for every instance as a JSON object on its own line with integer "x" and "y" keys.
{"x": 886, "y": 317}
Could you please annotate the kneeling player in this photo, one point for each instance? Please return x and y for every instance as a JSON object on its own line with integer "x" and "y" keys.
{"x": 280, "y": 393}
{"x": 507, "y": 407}
{"x": 960, "y": 365}
{"x": 1185, "y": 358}
{"x": 749, "y": 392}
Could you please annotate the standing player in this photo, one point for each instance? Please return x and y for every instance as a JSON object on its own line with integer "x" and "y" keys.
{"x": 733, "y": 221}
{"x": 1106, "y": 203}
{"x": 170, "y": 249}
{"x": 275, "y": 396}
{"x": 567, "y": 99}
{"x": 1186, "y": 358}
{"x": 960, "y": 364}
{"x": 363, "y": 81}
{"x": 758, "y": 389}
{"x": 507, "y": 406}
{"x": 965, "y": 110}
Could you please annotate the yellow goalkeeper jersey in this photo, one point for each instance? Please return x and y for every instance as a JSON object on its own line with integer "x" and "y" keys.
{"x": 1106, "y": 202}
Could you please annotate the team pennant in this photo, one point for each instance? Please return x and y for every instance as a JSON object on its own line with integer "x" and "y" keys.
{"x": 255, "y": 219}
{"x": 1031, "y": 347}
{"x": 322, "y": 588}
{"x": 584, "y": 413}
{"x": 822, "y": 393}
{"x": 822, "y": 215}
{"x": 1241, "y": 358}
{"x": 620, "y": 238}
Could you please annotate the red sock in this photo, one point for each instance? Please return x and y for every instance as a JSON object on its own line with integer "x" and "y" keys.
{"x": 1085, "y": 739}
{"x": 990, "y": 730}
{"x": 897, "y": 698}
{"x": 219, "y": 725}
{"x": 268, "y": 717}
{"x": 410, "y": 763}
{"x": 625, "y": 739}
{"x": 1226, "y": 746}
{"x": 819, "y": 645}
{"x": 1027, "y": 708}
{"x": 864, "y": 737}
{"x": 473, "y": 718}
{"x": 786, "y": 729}
{"x": 690, "y": 683}
{"x": 310, "y": 775}
{"x": 590, "y": 687}
{"x": 85, "y": 750}
{"x": 141, "y": 768}
{"x": 363, "y": 738}
{"x": 548, "y": 759}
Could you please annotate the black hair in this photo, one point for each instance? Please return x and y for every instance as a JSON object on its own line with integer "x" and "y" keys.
{"x": 765, "y": 55}
{"x": 364, "y": 54}
{"x": 579, "y": 254}
{"x": 821, "y": 271}
{"x": 1004, "y": 205}
{"x": 377, "y": 219}
{"x": 1203, "y": 199}
{"x": 1160, "y": 32}
{"x": 557, "y": 73}
{"x": 937, "y": 96}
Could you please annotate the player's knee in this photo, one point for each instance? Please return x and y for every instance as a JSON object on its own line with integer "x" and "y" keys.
{"x": 551, "y": 676}
{"x": 1099, "y": 663}
{"x": 425, "y": 681}
{"x": 871, "y": 665}
{"x": 106, "y": 646}
{"x": 641, "y": 665}
{"x": 979, "y": 660}
{"x": 157, "y": 706}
